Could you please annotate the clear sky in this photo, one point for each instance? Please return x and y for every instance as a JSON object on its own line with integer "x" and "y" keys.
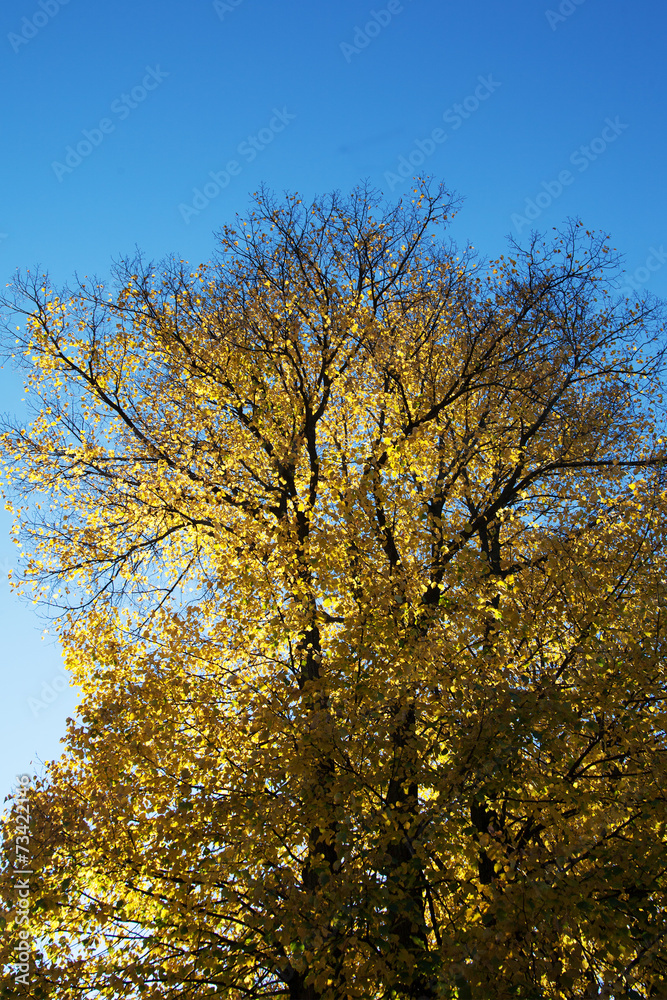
{"x": 148, "y": 124}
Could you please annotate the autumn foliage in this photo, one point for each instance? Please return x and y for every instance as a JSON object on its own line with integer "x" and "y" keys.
{"x": 358, "y": 546}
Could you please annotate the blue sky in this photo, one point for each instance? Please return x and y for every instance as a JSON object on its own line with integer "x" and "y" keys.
{"x": 147, "y": 125}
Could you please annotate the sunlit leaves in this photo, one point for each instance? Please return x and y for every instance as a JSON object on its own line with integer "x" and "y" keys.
{"x": 366, "y": 570}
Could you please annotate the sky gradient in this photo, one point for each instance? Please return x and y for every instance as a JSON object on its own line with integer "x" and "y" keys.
{"x": 148, "y": 125}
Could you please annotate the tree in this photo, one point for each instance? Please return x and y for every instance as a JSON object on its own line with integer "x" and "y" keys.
{"x": 359, "y": 554}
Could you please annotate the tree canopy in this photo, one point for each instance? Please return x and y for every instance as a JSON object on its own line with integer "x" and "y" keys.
{"x": 357, "y": 549}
